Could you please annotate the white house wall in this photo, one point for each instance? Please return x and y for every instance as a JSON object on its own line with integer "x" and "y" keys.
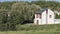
{"x": 35, "y": 20}
{"x": 51, "y": 20}
{"x": 44, "y": 17}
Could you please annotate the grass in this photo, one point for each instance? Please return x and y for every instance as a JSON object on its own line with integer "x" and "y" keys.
{"x": 29, "y": 32}
{"x": 35, "y": 29}
{"x": 55, "y": 27}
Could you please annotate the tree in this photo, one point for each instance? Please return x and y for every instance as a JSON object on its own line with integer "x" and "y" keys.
{"x": 23, "y": 11}
{"x": 3, "y": 19}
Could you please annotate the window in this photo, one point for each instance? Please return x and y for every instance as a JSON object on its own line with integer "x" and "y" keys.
{"x": 37, "y": 16}
{"x": 50, "y": 16}
{"x": 37, "y": 21}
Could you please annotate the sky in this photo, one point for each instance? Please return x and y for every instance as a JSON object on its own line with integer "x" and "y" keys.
{"x": 24, "y": 0}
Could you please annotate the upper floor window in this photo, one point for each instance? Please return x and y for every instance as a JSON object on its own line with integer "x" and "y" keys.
{"x": 38, "y": 16}
{"x": 50, "y": 16}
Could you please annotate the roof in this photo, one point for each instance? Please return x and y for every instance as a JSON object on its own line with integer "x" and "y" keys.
{"x": 57, "y": 11}
{"x": 41, "y": 11}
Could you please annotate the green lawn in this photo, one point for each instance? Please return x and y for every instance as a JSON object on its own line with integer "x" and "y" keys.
{"x": 35, "y": 29}
{"x": 53, "y": 27}
{"x": 30, "y": 32}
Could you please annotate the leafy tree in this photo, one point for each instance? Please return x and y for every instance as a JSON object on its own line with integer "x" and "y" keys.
{"x": 3, "y": 19}
{"x": 24, "y": 11}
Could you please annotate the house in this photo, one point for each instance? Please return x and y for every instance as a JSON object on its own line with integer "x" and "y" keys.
{"x": 57, "y": 12}
{"x": 44, "y": 16}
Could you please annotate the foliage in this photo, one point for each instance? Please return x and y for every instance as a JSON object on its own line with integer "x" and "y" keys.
{"x": 4, "y": 23}
{"x": 23, "y": 11}
{"x": 38, "y": 27}
{"x": 20, "y": 12}
{"x": 57, "y": 16}
{"x": 29, "y": 32}
{"x": 50, "y": 4}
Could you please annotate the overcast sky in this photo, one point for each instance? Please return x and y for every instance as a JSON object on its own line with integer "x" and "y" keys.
{"x": 21, "y": 0}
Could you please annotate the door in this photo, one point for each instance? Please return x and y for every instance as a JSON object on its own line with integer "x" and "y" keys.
{"x": 37, "y": 21}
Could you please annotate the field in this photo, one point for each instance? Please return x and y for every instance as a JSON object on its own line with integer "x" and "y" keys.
{"x": 29, "y": 32}
{"x": 35, "y": 29}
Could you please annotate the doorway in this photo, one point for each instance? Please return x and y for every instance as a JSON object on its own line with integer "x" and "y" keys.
{"x": 37, "y": 22}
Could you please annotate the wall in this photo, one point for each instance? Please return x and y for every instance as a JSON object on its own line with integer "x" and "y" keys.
{"x": 35, "y": 20}
{"x": 44, "y": 17}
{"x": 51, "y": 20}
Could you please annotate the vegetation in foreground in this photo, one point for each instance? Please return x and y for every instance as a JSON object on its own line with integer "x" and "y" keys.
{"x": 29, "y": 32}
{"x": 22, "y": 11}
{"x": 35, "y": 29}
{"x": 50, "y": 27}
{"x": 14, "y": 13}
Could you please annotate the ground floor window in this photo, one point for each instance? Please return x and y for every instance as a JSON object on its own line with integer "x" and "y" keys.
{"x": 50, "y": 16}
{"x": 37, "y": 21}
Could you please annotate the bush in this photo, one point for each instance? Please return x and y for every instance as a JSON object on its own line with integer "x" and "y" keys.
{"x": 57, "y": 16}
